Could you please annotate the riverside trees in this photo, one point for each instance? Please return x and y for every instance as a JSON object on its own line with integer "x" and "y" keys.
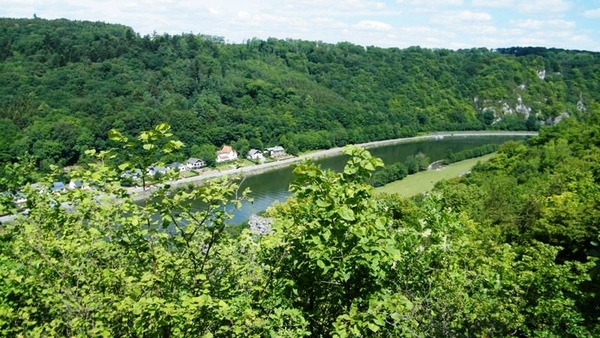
{"x": 64, "y": 84}
{"x": 339, "y": 262}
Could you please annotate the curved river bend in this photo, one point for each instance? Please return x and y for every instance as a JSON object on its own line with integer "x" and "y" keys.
{"x": 271, "y": 186}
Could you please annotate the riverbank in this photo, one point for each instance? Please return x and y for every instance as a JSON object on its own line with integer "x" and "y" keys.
{"x": 424, "y": 181}
{"x": 138, "y": 193}
{"x": 261, "y": 168}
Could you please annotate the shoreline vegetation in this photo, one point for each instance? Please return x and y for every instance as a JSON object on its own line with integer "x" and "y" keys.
{"x": 139, "y": 193}
{"x": 425, "y": 181}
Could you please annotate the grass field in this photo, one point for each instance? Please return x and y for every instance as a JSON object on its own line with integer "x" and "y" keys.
{"x": 189, "y": 173}
{"x": 425, "y": 180}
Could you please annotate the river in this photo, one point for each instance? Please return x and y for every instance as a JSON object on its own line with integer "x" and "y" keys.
{"x": 271, "y": 186}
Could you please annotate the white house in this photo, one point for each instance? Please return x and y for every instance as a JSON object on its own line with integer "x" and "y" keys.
{"x": 75, "y": 184}
{"x": 153, "y": 170}
{"x": 58, "y": 187}
{"x": 276, "y": 151}
{"x": 254, "y": 154}
{"x": 134, "y": 175}
{"x": 177, "y": 166}
{"x": 226, "y": 154}
{"x": 194, "y": 163}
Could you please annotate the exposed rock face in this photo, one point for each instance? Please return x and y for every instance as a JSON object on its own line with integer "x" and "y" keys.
{"x": 581, "y": 105}
{"x": 561, "y": 117}
{"x": 521, "y": 108}
{"x": 553, "y": 121}
{"x": 260, "y": 225}
{"x": 541, "y": 74}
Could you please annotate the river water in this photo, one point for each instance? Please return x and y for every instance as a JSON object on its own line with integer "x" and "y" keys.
{"x": 271, "y": 186}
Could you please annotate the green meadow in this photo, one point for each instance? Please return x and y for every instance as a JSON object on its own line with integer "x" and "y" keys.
{"x": 425, "y": 180}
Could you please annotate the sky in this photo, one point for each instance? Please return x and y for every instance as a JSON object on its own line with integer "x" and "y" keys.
{"x": 452, "y": 24}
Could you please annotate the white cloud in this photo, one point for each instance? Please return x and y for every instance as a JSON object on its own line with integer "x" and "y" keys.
{"x": 492, "y": 3}
{"x": 460, "y": 18}
{"x": 472, "y": 16}
{"x": 328, "y": 22}
{"x": 592, "y": 13}
{"x": 421, "y": 31}
{"x": 333, "y": 5}
{"x": 544, "y": 24}
{"x": 543, "y": 6}
{"x": 431, "y": 3}
{"x": 373, "y": 25}
{"x": 385, "y": 23}
{"x": 480, "y": 29}
{"x": 527, "y": 6}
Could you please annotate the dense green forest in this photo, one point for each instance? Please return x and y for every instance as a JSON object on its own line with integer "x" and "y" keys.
{"x": 64, "y": 84}
{"x": 505, "y": 251}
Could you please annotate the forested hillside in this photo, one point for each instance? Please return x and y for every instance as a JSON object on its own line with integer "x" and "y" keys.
{"x": 64, "y": 84}
{"x": 506, "y": 251}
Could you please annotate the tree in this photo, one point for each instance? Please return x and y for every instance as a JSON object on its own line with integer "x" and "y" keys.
{"x": 335, "y": 252}
{"x": 205, "y": 152}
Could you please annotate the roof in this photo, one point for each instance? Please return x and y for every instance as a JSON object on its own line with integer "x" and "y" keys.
{"x": 254, "y": 151}
{"x": 277, "y": 148}
{"x": 225, "y": 150}
{"x": 58, "y": 186}
{"x": 193, "y": 160}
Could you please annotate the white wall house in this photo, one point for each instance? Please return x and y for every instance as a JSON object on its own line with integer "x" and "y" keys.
{"x": 226, "y": 154}
{"x": 194, "y": 163}
{"x": 255, "y": 154}
{"x": 276, "y": 151}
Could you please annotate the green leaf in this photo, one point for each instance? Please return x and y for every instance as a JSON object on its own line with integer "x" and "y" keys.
{"x": 116, "y": 136}
{"x": 373, "y": 327}
{"x": 124, "y": 166}
{"x": 316, "y": 239}
{"x": 320, "y": 264}
{"x": 163, "y": 128}
{"x": 322, "y": 204}
{"x": 326, "y": 234}
{"x": 346, "y": 213}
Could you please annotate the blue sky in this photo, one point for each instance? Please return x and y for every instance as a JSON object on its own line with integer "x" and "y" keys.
{"x": 454, "y": 24}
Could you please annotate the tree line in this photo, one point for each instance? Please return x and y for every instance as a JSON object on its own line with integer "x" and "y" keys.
{"x": 505, "y": 251}
{"x": 470, "y": 153}
{"x": 64, "y": 84}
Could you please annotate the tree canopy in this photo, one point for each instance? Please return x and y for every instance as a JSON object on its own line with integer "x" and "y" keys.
{"x": 64, "y": 84}
{"x": 501, "y": 252}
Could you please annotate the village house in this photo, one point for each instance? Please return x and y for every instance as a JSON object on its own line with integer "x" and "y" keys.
{"x": 75, "y": 184}
{"x": 58, "y": 187}
{"x": 134, "y": 175}
{"x": 177, "y": 166}
{"x": 255, "y": 154}
{"x": 226, "y": 154}
{"x": 194, "y": 163}
{"x": 277, "y": 151}
{"x": 153, "y": 170}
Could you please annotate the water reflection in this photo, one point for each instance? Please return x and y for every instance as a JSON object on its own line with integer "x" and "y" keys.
{"x": 271, "y": 186}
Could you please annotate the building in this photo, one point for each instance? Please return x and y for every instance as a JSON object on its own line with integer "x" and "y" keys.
{"x": 75, "y": 184}
{"x": 177, "y": 166}
{"x": 133, "y": 175}
{"x": 153, "y": 170}
{"x": 194, "y": 163}
{"x": 226, "y": 154}
{"x": 255, "y": 154}
{"x": 277, "y": 151}
{"x": 58, "y": 187}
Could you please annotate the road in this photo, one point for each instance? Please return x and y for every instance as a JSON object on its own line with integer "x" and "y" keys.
{"x": 259, "y": 168}
{"x": 137, "y": 192}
